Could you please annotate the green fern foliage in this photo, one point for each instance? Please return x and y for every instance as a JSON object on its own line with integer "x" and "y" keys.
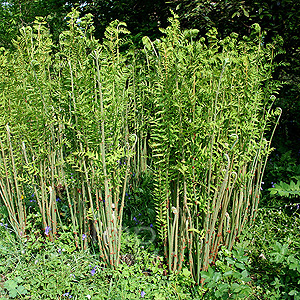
{"x": 208, "y": 116}
{"x": 78, "y": 117}
{"x": 64, "y": 132}
{"x": 287, "y": 190}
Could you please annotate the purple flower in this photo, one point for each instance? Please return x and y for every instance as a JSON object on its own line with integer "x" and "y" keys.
{"x": 151, "y": 225}
{"x": 59, "y": 251}
{"x": 134, "y": 218}
{"x": 83, "y": 237}
{"x": 143, "y": 294}
{"x": 57, "y": 199}
{"x": 67, "y": 295}
{"x": 47, "y": 229}
{"x": 93, "y": 271}
{"x": 273, "y": 184}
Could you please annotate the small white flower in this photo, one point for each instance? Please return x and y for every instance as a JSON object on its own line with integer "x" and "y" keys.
{"x": 88, "y": 296}
{"x": 174, "y": 210}
{"x": 262, "y": 256}
{"x": 23, "y": 251}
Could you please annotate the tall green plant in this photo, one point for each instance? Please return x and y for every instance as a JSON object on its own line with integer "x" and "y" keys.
{"x": 66, "y": 111}
{"x": 211, "y": 110}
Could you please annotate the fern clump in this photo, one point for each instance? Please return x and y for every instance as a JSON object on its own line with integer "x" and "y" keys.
{"x": 210, "y": 111}
{"x": 78, "y": 118}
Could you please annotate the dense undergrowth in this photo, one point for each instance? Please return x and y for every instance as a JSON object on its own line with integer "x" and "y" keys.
{"x": 264, "y": 264}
